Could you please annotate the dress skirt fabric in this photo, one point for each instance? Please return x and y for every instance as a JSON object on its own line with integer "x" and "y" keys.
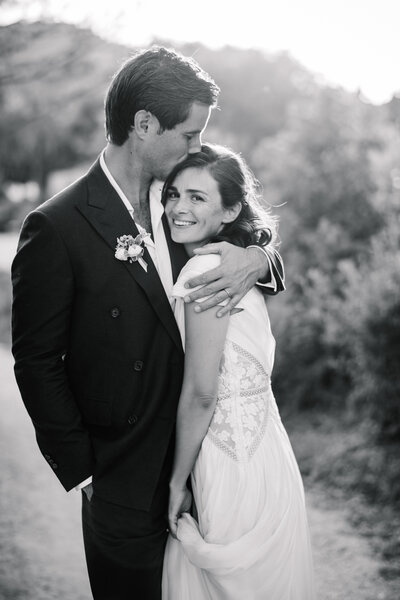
{"x": 250, "y": 538}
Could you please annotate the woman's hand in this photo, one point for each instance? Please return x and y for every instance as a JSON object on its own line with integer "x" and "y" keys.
{"x": 238, "y": 272}
{"x": 180, "y": 501}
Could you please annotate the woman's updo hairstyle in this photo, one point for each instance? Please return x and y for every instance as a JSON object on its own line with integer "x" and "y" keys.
{"x": 237, "y": 185}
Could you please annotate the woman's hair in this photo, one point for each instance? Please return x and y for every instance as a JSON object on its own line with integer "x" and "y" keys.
{"x": 237, "y": 185}
{"x": 158, "y": 80}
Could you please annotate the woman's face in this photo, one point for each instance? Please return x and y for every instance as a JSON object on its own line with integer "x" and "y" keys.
{"x": 194, "y": 207}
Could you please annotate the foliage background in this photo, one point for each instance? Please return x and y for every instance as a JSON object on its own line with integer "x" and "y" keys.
{"x": 330, "y": 165}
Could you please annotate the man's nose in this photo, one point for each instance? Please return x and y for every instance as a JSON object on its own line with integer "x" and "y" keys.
{"x": 195, "y": 145}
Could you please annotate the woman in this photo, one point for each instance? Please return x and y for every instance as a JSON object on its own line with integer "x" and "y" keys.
{"x": 247, "y": 537}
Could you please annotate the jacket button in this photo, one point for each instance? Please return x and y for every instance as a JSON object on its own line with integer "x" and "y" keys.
{"x": 54, "y": 465}
{"x": 138, "y": 365}
{"x": 115, "y": 312}
{"x": 132, "y": 419}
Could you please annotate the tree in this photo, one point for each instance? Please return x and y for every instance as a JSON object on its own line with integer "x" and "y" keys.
{"x": 320, "y": 167}
{"x": 52, "y": 105}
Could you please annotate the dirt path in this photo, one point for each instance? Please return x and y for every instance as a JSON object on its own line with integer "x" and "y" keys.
{"x": 345, "y": 566}
{"x": 40, "y": 539}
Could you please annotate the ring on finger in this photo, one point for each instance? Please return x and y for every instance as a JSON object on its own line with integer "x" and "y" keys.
{"x": 227, "y": 293}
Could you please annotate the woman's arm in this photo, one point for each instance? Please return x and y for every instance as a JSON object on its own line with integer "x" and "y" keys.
{"x": 239, "y": 271}
{"x": 205, "y": 338}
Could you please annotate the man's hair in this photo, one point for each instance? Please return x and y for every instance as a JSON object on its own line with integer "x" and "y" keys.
{"x": 158, "y": 80}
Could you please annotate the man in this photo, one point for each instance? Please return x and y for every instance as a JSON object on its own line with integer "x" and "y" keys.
{"x": 98, "y": 356}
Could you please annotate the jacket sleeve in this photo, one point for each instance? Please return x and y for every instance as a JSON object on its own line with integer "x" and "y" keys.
{"x": 43, "y": 293}
{"x": 276, "y": 280}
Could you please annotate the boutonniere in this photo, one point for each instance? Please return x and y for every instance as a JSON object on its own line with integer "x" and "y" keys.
{"x": 132, "y": 248}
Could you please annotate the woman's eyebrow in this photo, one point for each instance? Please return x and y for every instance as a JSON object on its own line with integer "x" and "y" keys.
{"x": 193, "y": 191}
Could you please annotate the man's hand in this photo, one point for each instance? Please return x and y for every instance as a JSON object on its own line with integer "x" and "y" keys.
{"x": 180, "y": 501}
{"x": 88, "y": 489}
{"x": 238, "y": 272}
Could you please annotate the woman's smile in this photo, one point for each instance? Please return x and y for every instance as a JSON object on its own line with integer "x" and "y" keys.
{"x": 180, "y": 223}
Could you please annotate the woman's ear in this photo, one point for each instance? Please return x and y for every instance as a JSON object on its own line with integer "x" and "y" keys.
{"x": 142, "y": 122}
{"x": 231, "y": 213}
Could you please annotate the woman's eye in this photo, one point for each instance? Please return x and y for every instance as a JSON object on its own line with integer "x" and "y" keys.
{"x": 196, "y": 198}
{"x": 172, "y": 194}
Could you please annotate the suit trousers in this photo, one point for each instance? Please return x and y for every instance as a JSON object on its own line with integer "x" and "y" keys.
{"x": 124, "y": 547}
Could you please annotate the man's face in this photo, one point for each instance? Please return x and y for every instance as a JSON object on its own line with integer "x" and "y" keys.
{"x": 165, "y": 150}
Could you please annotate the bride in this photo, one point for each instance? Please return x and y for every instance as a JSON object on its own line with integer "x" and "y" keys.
{"x": 244, "y": 534}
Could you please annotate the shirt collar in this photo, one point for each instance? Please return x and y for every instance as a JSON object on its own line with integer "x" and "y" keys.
{"x": 115, "y": 185}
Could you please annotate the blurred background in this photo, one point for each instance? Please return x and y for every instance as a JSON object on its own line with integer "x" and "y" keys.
{"x": 311, "y": 98}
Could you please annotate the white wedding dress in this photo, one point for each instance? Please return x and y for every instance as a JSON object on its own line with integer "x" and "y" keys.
{"x": 250, "y": 538}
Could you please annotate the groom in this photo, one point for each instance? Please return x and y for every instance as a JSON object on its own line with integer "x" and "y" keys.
{"x": 98, "y": 356}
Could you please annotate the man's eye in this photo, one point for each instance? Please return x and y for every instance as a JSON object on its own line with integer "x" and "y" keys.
{"x": 189, "y": 136}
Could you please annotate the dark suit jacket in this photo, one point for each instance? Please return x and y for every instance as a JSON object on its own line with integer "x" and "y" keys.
{"x": 98, "y": 356}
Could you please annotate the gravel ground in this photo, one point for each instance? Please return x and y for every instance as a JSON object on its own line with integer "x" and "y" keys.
{"x": 40, "y": 536}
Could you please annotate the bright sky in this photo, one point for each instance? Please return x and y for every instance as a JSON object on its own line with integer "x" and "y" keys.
{"x": 352, "y": 43}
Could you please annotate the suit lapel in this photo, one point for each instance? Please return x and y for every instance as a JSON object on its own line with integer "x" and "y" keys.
{"x": 105, "y": 211}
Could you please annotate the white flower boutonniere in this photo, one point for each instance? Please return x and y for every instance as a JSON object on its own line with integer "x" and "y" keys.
{"x": 132, "y": 248}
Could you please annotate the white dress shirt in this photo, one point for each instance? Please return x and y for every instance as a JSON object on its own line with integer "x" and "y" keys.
{"x": 157, "y": 247}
